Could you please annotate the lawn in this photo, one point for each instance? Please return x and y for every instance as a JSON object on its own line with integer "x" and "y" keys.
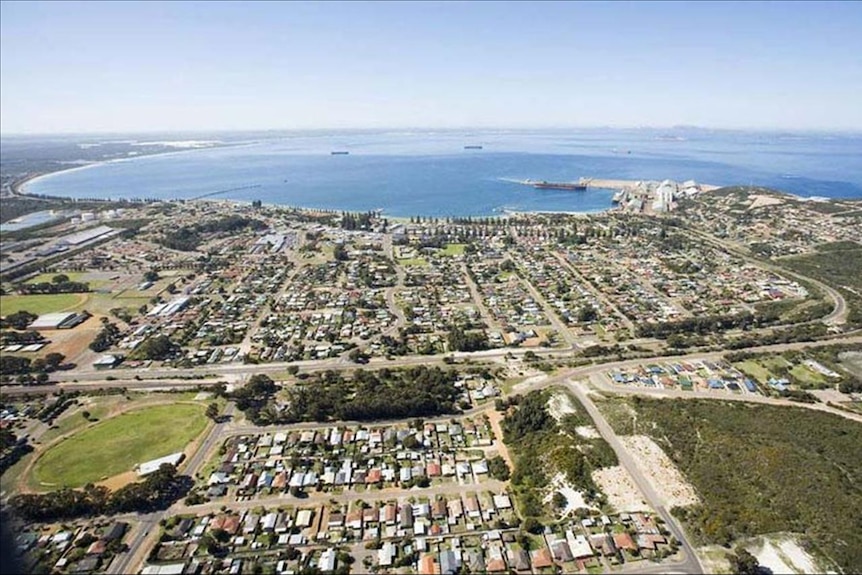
{"x": 118, "y": 444}
{"x": 453, "y": 250}
{"x": 807, "y": 378}
{"x": 419, "y": 262}
{"x": 41, "y": 304}
{"x": 754, "y": 369}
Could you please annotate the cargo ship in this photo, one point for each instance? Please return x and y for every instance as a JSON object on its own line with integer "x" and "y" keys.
{"x": 338, "y": 153}
{"x": 545, "y": 185}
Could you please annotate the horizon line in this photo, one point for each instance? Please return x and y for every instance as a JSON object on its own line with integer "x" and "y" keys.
{"x": 188, "y": 131}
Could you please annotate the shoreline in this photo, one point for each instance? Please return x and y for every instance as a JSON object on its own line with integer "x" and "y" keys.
{"x": 19, "y": 187}
{"x": 610, "y": 184}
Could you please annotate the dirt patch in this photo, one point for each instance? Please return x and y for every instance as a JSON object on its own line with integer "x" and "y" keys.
{"x": 761, "y": 201}
{"x": 74, "y": 343}
{"x": 652, "y": 461}
{"x": 529, "y": 382}
{"x": 121, "y": 480}
{"x": 620, "y": 488}
{"x": 494, "y": 418}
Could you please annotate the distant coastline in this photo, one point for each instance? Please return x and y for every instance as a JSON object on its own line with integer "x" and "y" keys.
{"x": 427, "y": 174}
{"x": 19, "y": 187}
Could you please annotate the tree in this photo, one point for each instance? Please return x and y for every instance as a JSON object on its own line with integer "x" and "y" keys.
{"x": 587, "y": 314}
{"x": 60, "y": 279}
{"x": 86, "y": 415}
{"x": 53, "y": 360}
{"x": 498, "y": 468}
{"x": 212, "y": 411}
{"x": 743, "y": 562}
{"x": 559, "y": 500}
{"x": 533, "y": 525}
{"x": 151, "y": 276}
{"x": 158, "y": 347}
{"x": 19, "y": 320}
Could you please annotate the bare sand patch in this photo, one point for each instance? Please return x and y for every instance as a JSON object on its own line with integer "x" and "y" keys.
{"x": 783, "y": 554}
{"x": 559, "y": 405}
{"x": 654, "y": 463}
{"x": 620, "y": 488}
{"x": 762, "y": 201}
{"x": 574, "y": 498}
{"x": 587, "y": 432}
{"x": 494, "y": 418}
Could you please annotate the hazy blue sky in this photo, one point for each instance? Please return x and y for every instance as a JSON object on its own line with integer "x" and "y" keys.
{"x": 67, "y": 66}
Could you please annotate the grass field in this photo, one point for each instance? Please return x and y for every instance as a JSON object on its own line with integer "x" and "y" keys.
{"x": 419, "y": 262}
{"x": 454, "y": 250}
{"x": 117, "y": 445}
{"x": 73, "y": 276}
{"x": 40, "y": 304}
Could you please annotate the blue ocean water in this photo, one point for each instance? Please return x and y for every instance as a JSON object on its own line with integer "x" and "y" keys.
{"x": 430, "y": 173}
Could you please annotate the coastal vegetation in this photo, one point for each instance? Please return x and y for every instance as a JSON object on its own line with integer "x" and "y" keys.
{"x": 543, "y": 447}
{"x": 760, "y": 469}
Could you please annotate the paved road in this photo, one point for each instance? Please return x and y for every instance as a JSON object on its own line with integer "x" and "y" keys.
{"x": 690, "y": 564}
{"x": 154, "y": 375}
{"x": 838, "y": 315}
{"x": 202, "y": 454}
{"x": 140, "y": 540}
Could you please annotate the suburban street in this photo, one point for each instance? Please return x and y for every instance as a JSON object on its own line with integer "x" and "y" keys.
{"x": 690, "y": 564}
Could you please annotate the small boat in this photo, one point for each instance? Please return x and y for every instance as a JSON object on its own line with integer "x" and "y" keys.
{"x": 339, "y": 153}
{"x": 472, "y": 147}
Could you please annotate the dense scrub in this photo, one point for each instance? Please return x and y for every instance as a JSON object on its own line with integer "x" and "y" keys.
{"x": 762, "y": 469}
{"x": 366, "y": 396}
{"x": 543, "y": 447}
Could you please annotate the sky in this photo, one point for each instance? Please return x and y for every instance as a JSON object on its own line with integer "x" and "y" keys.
{"x": 71, "y": 67}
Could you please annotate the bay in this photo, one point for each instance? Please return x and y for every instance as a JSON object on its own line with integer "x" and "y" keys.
{"x": 430, "y": 173}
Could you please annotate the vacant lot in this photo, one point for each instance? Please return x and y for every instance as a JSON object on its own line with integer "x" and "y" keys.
{"x": 118, "y": 444}
{"x": 40, "y": 304}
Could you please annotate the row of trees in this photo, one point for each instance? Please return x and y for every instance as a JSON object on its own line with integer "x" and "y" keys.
{"x": 18, "y": 320}
{"x": 17, "y": 365}
{"x": 158, "y": 491}
{"x": 58, "y": 284}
